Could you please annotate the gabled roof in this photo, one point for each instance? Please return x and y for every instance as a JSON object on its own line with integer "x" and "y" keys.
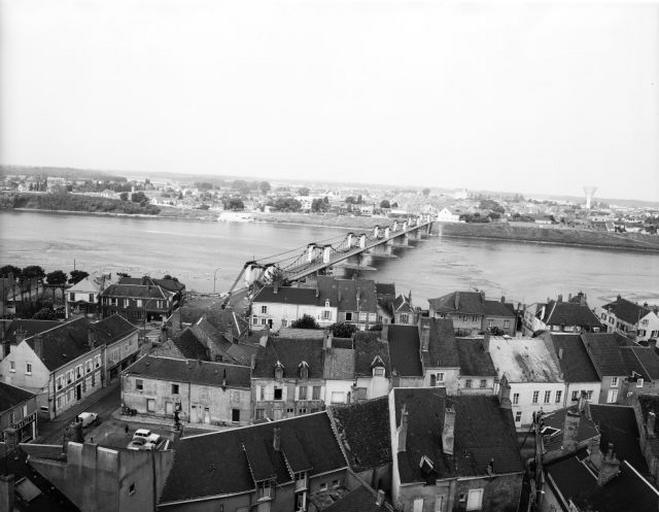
{"x": 63, "y": 343}
{"x": 137, "y": 291}
{"x": 364, "y": 432}
{"x": 568, "y": 313}
{"x": 483, "y": 431}
{"x": 289, "y": 295}
{"x": 401, "y": 304}
{"x": 193, "y": 371}
{"x": 190, "y": 346}
{"x": 524, "y": 360}
{"x": 442, "y": 351}
{"x": 231, "y": 461}
{"x": 290, "y": 353}
{"x": 469, "y": 303}
{"x": 587, "y": 428}
{"x": 385, "y": 289}
{"x": 339, "y": 364}
{"x": 168, "y": 284}
{"x": 28, "y": 328}
{"x": 349, "y": 294}
{"x": 404, "y": 350}
{"x": 361, "y": 499}
{"x": 498, "y": 308}
{"x": 111, "y": 329}
{"x": 608, "y": 359}
{"x": 626, "y": 310}
{"x": 369, "y": 349}
{"x": 11, "y": 396}
{"x": 573, "y": 358}
{"x": 474, "y": 359}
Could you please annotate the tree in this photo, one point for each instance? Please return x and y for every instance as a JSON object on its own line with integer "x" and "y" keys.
{"x": 77, "y": 276}
{"x": 56, "y": 279}
{"x": 123, "y": 196}
{"x": 139, "y": 197}
{"x": 264, "y": 187}
{"x": 306, "y": 322}
{"x": 385, "y": 204}
{"x": 45, "y": 314}
{"x": 234, "y": 203}
{"x": 343, "y": 329}
{"x": 320, "y": 205}
{"x": 426, "y": 192}
{"x": 10, "y": 270}
{"x": 30, "y": 274}
{"x": 303, "y": 191}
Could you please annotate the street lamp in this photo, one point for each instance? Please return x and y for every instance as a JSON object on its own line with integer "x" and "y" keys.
{"x": 214, "y": 276}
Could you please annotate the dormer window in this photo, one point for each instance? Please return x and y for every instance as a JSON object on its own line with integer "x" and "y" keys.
{"x": 303, "y": 370}
{"x": 279, "y": 371}
{"x": 378, "y": 371}
{"x": 327, "y": 303}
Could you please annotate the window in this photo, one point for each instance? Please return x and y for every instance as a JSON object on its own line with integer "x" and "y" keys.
{"x": 483, "y": 383}
{"x": 614, "y": 382}
{"x": 88, "y": 364}
{"x": 303, "y": 410}
{"x": 639, "y": 383}
{"x": 559, "y": 393}
{"x": 440, "y": 377}
{"x": 348, "y": 317}
{"x": 278, "y": 393}
{"x": 327, "y": 315}
{"x": 315, "y": 393}
{"x": 612, "y": 396}
{"x": 151, "y": 405}
{"x": 535, "y": 396}
{"x": 131, "y": 489}
{"x": 575, "y": 396}
{"x": 264, "y": 310}
{"x": 255, "y": 320}
{"x": 284, "y": 322}
{"x": 12, "y": 366}
{"x": 235, "y": 414}
{"x": 78, "y": 371}
{"x": 263, "y": 321}
{"x": 260, "y": 392}
{"x": 506, "y": 324}
{"x": 91, "y": 297}
{"x": 468, "y": 383}
{"x": 335, "y": 483}
{"x": 418, "y": 505}
{"x": 589, "y": 394}
{"x": 323, "y": 486}
{"x": 363, "y": 317}
{"x": 547, "y": 396}
{"x": 302, "y": 392}
{"x": 97, "y": 361}
{"x": 59, "y": 382}
{"x": 518, "y": 416}
{"x": 260, "y": 414}
{"x": 28, "y": 368}
{"x": 72, "y": 297}
{"x": 265, "y": 491}
{"x": 290, "y": 410}
{"x": 338, "y": 397}
{"x": 378, "y": 371}
{"x": 475, "y": 499}
{"x": 69, "y": 377}
{"x": 174, "y": 389}
{"x": 404, "y": 318}
{"x": 139, "y": 384}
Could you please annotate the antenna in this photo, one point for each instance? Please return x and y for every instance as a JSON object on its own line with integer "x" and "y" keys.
{"x": 589, "y": 190}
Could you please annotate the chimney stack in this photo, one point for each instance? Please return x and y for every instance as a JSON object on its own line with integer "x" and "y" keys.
{"x": 570, "y": 430}
{"x": 379, "y": 500}
{"x": 610, "y": 467}
{"x": 448, "y": 430}
{"x": 276, "y": 439}
{"x": 504, "y": 394}
{"x": 486, "y": 342}
{"x": 402, "y": 430}
{"x": 11, "y": 439}
{"x": 224, "y": 378}
{"x": 7, "y": 493}
{"x": 275, "y": 288}
{"x": 649, "y": 424}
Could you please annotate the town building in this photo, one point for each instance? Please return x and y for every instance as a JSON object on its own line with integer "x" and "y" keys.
{"x": 62, "y": 366}
{"x": 356, "y": 299}
{"x": 277, "y": 466}
{"x": 120, "y": 339}
{"x": 529, "y": 376}
{"x": 338, "y": 370}
{"x": 439, "y": 356}
{"x": 201, "y": 391}
{"x": 18, "y": 411}
{"x": 473, "y": 314}
{"x": 445, "y": 215}
{"x": 137, "y": 302}
{"x": 372, "y": 366}
{"x": 404, "y": 355}
{"x": 386, "y": 295}
{"x": 279, "y": 306}
{"x": 83, "y": 297}
{"x": 558, "y": 316}
{"x": 19, "y": 329}
{"x": 477, "y": 373}
{"x": 452, "y": 453}
{"x": 403, "y": 310}
{"x": 638, "y": 322}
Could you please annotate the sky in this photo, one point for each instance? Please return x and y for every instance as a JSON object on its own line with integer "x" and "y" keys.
{"x": 531, "y": 97}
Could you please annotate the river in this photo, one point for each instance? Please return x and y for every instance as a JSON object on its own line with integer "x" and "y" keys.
{"x": 192, "y": 251}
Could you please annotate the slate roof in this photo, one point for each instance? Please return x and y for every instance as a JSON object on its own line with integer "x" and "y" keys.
{"x": 401, "y": 304}
{"x": 63, "y": 343}
{"x": 137, "y": 291}
{"x": 649, "y": 403}
{"x": 243, "y": 352}
{"x": 230, "y": 461}
{"x": 339, "y": 364}
{"x": 290, "y": 295}
{"x": 167, "y": 284}
{"x": 226, "y": 321}
{"x": 524, "y": 360}
{"x": 190, "y": 346}
{"x": 587, "y": 429}
{"x": 404, "y": 350}
{"x": 474, "y": 360}
{"x": 498, "y": 308}
{"x": 11, "y": 396}
{"x": 290, "y": 352}
{"x": 469, "y": 303}
{"x": 363, "y": 430}
{"x": 385, "y": 289}
{"x": 625, "y": 492}
{"x": 575, "y": 362}
{"x": 29, "y": 327}
{"x": 626, "y": 310}
{"x": 483, "y": 431}
{"x": 609, "y": 359}
{"x": 195, "y": 372}
{"x": 344, "y": 293}
{"x": 442, "y": 351}
{"x": 568, "y": 313}
{"x": 360, "y": 499}
{"x": 111, "y": 329}
{"x": 368, "y": 347}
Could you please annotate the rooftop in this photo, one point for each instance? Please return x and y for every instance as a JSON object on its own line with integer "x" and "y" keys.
{"x": 626, "y": 310}
{"x": 474, "y": 359}
{"x": 11, "y": 396}
{"x": 290, "y": 353}
{"x": 111, "y": 329}
{"x": 573, "y": 358}
{"x": 404, "y": 350}
{"x": 524, "y": 360}
{"x": 63, "y": 343}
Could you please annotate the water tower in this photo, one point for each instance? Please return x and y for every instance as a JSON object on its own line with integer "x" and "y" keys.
{"x": 590, "y": 192}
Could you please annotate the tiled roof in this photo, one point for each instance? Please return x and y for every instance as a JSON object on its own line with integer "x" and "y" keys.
{"x": 469, "y": 303}
{"x": 364, "y": 431}
{"x": 360, "y": 499}
{"x": 401, "y": 304}
{"x": 524, "y": 360}
{"x": 345, "y": 293}
{"x": 193, "y": 371}
{"x": 190, "y": 346}
{"x": 167, "y": 284}
{"x": 483, "y": 431}
{"x": 586, "y": 430}
{"x": 134, "y": 291}
{"x": 111, "y": 329}
{"x": 339, "y": 364}
{"x": 498, "y": 308}
{"x": 289, "y": 295}
{"x": 573, "y": 358}
{"x": 11, "y": 396}
{"x": 368, "y": 347}
{"x": 626, "y": 310}
{"x": 385, "y": 289}
{"x": 577, "y": 483}
{"x": 404, "y": 350}
{"x": 442, "y": 351}
{"x": 63, "y": 343}
{"x": 569, "y": 313}
{"x": 474, "y": 359}
{"x": 28, "y": 327}
{"x": 290, "y": 353}
{"x": 605, "y": 353}
{"x": 229, "y": 461}
{"x": 243, "y": 352}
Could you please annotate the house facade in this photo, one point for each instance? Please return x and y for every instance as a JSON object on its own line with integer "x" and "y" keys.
{"x": 83, "y": 297}
{"x": 120, "y": 339}
{"x": 137, "y": 302}
{"x": 573, "y": 316}
{"x": 200, "y": 391}
{"x": 356, "y": 299}
{"x": 473, "y": 314}
{"x": 639, "y": 322}
{"x": 18, "y": 411}
{"x": 276, "y": 307}
{"x": 439, "y": 356}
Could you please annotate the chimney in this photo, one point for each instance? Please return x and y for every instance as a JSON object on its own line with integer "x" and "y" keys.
{"x": 276, "y": 439}
{"x": 402, "y": 430}
{"x": 91, "y": 338}
{"x": 582, "y": 301}
{"x": 38, "y": 345}
{"x": 570, "y": 430}
{"x": 456, "y": 301}
{"x": 650, "y": 423}
{"x": 594, "y": 453}
{"x": 448, "y": 430}
{"x": 263, "y": 340}
{"x": 252, "y": 363}
{"x": 486, "y": 342}
{"x": 384, "y": 333}
{"x": 7, "y": 495}
{"x": 490, "y": 467}
{"x": 569, "y": 297}
{"x": 379, "y": 500}
{"x": 504, "y": 394}
{"x": 20, "y": 335}
{"x": 581, "y": 404}
{"x": 610, "y": 467}
{"x": 275, "y": 288}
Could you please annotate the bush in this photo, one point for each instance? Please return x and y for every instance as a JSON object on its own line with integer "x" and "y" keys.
{"x": 343, "y": 329}
{"x": 306, "y": 322}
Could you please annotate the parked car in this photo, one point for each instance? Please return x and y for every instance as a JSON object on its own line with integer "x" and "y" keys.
{"x": 137, "y": 444}
{"x": 144, "y": 439}
{"x": 88, "y": 418}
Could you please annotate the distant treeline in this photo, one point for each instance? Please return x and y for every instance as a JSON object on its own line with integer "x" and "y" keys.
{"x": 74, "y": 202}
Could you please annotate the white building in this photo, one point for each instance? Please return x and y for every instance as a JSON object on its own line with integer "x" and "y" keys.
{"x": 277, "y": 307}
{"x": 630, "y": 319}
{"x": 529, "y": 375}
{"x": 445, "y": 215}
